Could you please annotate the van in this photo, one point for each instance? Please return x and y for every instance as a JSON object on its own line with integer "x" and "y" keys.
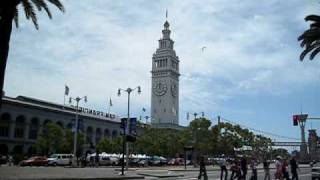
{"x": 60, "y": 159}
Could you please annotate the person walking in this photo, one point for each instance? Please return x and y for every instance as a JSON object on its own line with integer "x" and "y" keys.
{"x": 203, "y": 170}
{"x": 294, "y": 167}
{"x": 285, "y": 172}
{"x": 223, "y": 169}
{"x": 266, "y": 169}
{"x": 244, "y": 167}
{"x": 278, "y": 164}
{"x": 235, "y": 170}
{"x": 253, "y": 166}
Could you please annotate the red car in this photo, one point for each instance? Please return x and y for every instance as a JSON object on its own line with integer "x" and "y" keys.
{"x": 35, "y": 161}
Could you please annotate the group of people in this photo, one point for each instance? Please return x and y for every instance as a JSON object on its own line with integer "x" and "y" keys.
{"x": 239, "y": 169}
{"x": 282, "y": 167}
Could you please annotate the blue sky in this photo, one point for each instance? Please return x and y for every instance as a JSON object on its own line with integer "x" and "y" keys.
{"x": 249, "y": 73}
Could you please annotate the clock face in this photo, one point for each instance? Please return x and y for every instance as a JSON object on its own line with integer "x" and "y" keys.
{"x": 159, "y": 88}
{"x": 174, "y": 89}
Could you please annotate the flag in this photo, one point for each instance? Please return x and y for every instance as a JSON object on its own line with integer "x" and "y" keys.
{"x": 144, "y": 109}
{"x": 110, "y": 102}
{"x": 166, "y": 13}
{"x": 66, "y": 90}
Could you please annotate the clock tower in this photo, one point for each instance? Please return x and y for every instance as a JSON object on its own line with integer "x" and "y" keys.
{"x": 165, "y": 83}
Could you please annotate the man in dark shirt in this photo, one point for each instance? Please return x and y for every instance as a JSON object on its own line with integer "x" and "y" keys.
{"x": 244, "y": 167}
{"x": 294, "y": 167}
{"x": 203, "y": 170}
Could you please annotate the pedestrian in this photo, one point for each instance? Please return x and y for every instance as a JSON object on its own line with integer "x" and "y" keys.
{"x": 203, "y": 170}
{"x": 253, "y": 166}
{"x": 266, "y": 169}
{"x": 285, "y": 173}
{"x": 96, "y": 159}
{"x": 235, "y": 170}
{"x": 294, "y": 167}
{"x": 278, "y": 164}
{"x": 10, "y": 160}
{"x": 91, "y": 160}
{"x": 244, "y": 167}
{"x": 223, "y": 168}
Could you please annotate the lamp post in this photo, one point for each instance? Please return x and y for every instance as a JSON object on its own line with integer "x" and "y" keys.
{"x": 195, "y": 135}
{"x": 128, "y": 90}
{"x": 77, "y": 99}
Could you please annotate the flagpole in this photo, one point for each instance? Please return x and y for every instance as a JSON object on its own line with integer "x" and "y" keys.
{"x": 64, "y": 97}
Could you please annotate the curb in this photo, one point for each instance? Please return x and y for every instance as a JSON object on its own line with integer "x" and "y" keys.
{"x": 161, "y": 175}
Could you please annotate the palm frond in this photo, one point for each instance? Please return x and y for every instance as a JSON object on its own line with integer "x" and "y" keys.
{"x": 312, "y": 17}
{"x": 314, "y": 53}
{"x": 58, "y": 4}
{"x": 16, "y": 18}
{"x": 42, "y": 4}
{"x": 29, "y": 11}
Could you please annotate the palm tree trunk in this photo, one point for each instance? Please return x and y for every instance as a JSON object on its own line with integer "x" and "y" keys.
{"x": 7, "y": 11}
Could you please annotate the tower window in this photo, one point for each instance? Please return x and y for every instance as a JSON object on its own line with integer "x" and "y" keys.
{"x": 164, "y": 110}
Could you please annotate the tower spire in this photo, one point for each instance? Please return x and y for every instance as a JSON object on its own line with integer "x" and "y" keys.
{"x": 166, "y": 14}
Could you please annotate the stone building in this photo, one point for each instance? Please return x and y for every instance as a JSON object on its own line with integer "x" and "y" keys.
{"x": 22, "y": 120}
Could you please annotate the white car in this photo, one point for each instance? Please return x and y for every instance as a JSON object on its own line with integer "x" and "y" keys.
{"x": 315, "y": 171}
{"x": 105, "y": 161}
{"x": 60, "y": 159}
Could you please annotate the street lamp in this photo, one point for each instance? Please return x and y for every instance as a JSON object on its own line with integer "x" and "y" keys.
{"x": 77, "y": 99}
{"x": 128, "y": 90}
{"x": 195, "y": 134}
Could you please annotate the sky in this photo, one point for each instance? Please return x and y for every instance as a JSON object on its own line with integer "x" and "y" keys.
{"x": 249, "y": 73}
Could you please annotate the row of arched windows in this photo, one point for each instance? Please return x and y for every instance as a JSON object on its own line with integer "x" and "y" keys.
{"x": 21, "y": 124}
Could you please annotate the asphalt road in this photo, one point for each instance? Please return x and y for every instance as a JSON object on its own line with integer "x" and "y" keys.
{"x": 109, "y": 172}
{"x": 304, "y": 174}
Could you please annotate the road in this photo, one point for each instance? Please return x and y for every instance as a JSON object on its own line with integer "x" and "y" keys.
{"x": 304, "y": 174}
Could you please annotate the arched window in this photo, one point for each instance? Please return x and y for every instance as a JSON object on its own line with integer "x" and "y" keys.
{"x": 114, "y": 134}
{"x": 4, "y": 124}
{"x": 89, "y": 135}
{"x": 59, "y": 123}
{"x": 106, "y": 133}
{"x": 45, "y": 130}
{"x": 33, "y": 132}
{"x": 20, "y": 125}
{"x": 98, "y": 135}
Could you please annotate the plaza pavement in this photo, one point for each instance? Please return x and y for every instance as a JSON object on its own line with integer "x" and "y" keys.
{"x": 104, "y": 173}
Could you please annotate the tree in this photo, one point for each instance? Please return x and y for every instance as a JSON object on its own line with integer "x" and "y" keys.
{"x": 8, "y": 13}
{"x": 104, "y": 145}
{"x": 56, "y": 139}
{"x": 310, "y": 39}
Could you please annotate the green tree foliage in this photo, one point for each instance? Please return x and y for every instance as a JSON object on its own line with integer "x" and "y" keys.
{"x": 56, "y": 139}
{"x": 206, "y": 139}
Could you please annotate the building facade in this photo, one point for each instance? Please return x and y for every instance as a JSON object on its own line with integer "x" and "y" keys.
{"x": 22, "y": 120}
{"x": 165, "y": 83}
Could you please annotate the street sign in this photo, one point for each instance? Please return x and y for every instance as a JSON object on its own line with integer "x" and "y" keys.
{"x": 133, "y": 126}
{"x": 80, "y": 125}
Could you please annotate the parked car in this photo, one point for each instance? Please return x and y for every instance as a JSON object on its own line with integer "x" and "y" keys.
{"x": 107, "y": 161}
{"x": 315, "y": 171}
{"x": 60, "y": 159}
{"x": 35, "y": 161}
{"x": 3, "y": 160}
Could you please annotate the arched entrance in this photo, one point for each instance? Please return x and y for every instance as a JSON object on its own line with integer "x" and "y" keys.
{"x": 4, "y": 124}
{"x": 4, "y": 150}
{"x": 33, "y": 132}
{"x": 20, "y": 126}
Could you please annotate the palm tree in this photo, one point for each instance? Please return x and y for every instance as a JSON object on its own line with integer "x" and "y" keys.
{"x": 310, "y": 39}
{"x": 8, "y": 14}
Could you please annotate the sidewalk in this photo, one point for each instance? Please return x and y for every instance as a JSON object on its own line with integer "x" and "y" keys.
{"x": 61, "y": 173}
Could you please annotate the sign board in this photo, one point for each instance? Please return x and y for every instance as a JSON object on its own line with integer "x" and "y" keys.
{"x": 80, "y": 125}
{"x": 133, "y": 126}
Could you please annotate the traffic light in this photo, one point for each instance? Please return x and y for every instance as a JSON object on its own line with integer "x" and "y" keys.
{"x": 123, "y": 123}
{"x": 130, "y": 138}
{"x": 295, "y": 120}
